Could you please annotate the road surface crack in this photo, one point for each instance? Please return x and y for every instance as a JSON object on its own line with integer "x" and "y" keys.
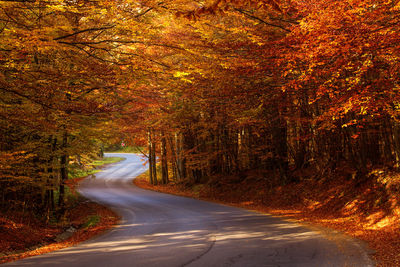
{"x": 213, "y": 241}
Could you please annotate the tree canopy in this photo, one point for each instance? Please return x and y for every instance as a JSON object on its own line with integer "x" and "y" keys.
{"x": 216, "y": 87}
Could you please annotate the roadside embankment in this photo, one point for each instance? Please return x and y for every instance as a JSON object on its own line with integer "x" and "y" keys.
{"x": 25, "y": 234}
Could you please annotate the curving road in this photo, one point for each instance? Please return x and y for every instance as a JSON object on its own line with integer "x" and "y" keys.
{"x": 164, "y": 230}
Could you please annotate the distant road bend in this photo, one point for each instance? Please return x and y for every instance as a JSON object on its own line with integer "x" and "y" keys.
{"x": 164, "y": 230}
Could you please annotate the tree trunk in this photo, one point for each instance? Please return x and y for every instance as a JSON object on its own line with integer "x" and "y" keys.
{"x": 154, "y": 158}
{"x": 164, "y": 160}
{"x": 179, "y": 160}
{"x": 151, "y": 178}
{"x": 63, "y": 173}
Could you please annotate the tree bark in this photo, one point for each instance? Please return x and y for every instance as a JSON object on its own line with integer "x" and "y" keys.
{"x": 63, "y": 173}
{"x": 150, "y": 144}
{"x": 164, "y": 160}
{"x": 154, "y": 159}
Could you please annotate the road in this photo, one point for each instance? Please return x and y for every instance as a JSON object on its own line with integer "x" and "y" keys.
{"x": 163, "y": 230}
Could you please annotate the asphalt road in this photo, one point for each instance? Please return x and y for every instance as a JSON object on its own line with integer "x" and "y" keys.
{"x": 164, "y": 230}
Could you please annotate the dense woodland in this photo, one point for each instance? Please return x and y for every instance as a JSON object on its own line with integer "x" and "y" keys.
{"x": 209, "y": 88}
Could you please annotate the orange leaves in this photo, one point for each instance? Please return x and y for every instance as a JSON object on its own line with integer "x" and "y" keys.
{"x": 9, "y": 163}
{"x": 220, "y": 7}
{"x": 31, "y": 237}
{"x": 338, "y": 49}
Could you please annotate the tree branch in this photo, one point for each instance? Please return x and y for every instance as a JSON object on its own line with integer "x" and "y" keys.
{"x": 260, "y": 20}
{"x": 19, "y": 1}
{"x": 85, "y": 30}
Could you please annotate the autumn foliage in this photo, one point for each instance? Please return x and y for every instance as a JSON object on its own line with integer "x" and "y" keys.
{"x": 211, "y": 88}
{"x": 278, "y": 86}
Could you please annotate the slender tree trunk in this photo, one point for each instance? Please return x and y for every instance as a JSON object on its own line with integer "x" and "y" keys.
{"x": 151, "y": 178}
{"x": 279, "y": 141}
{"x": 49, "y": 194}
{"x": 164, "y": 160}
{"x": 154, "y": 159}
{"x": 173, "y": 158}
{"x": 396, "y": 142}
{"x": 179, "y": 160}
{"x": 63, "y": 173}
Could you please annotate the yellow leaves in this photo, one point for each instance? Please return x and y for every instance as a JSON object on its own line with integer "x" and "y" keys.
{"x": 350, "y": 123}
{"x": 182, "y": 75}
{"x": 63, "y": 8}
{"x": 103, "y": 11}
{"x": 368, "y": 62}
{"x": 397, "y": 6}
{"x": 352, "y": 81}
{"x": 186, "y": 80}
{"x": 224, "y": 65}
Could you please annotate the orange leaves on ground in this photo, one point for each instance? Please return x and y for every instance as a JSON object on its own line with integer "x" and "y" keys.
{"x": 26, "y": 237}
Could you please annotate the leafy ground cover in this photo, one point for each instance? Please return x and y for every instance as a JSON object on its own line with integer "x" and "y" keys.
{"x": 31, "y": 237}
{"x": 367, "y": 210}
{"x": 23, "y": 234}
{"x": 92, "y": 167}
{"x": 123, "y": 149}
{"x": 104, "y": 161}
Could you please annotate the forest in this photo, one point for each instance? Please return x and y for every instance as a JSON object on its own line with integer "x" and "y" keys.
{"x": 209, "y": 88}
